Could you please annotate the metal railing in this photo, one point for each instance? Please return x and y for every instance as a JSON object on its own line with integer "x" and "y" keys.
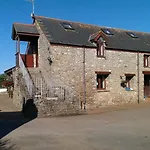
{"x": 44, "y": 90}
{"x": 38, "y": 86}
{"x": 26, "y": 77}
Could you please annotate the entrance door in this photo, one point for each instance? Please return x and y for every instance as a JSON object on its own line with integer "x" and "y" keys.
{"x": 147, "y": 85}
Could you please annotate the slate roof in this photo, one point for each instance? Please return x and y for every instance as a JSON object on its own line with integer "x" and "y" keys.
{"x": 19, "y": 28}
{"x": 120, "y": 40}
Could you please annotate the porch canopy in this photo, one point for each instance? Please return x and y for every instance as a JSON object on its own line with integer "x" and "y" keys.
{"x": 25, "y": 32}
{"x": 9, "y": 71}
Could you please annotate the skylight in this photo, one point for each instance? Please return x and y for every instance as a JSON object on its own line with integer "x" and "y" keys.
{"x": 67, "y": 26}
{"x": 107, "y": 31}
{"x": 132, "y": 34}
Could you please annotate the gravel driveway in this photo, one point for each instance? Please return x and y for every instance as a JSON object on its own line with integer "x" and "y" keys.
{"x": 126, "y": 129}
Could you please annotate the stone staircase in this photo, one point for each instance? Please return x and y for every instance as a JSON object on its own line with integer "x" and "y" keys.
{"x": 52, "y": 101}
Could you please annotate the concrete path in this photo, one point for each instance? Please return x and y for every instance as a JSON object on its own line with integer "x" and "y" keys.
{"x": 10, "y": 119}
{"x": 127, "y": 129}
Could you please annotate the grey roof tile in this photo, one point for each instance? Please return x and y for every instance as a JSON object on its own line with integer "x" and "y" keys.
{"x": 81, "y": 33}
{"x": 23, "y": 28}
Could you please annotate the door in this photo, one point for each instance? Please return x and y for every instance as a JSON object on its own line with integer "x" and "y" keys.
{"x": 147, "y": 85}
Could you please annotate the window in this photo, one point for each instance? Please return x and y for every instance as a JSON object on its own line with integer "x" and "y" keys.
{"x": 100, "y": 50}
{"x": 129, "y": 81}
{"x": 101, "y": 80}
{"x": 100, "y": 47}
{"x": 133, "y": 35}
{"x": 107, "y": 31}
{"x": 67, "y": 26}
{"x": 146, "y": 60}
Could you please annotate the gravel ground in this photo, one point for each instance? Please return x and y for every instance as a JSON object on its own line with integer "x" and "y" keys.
{"x": 126, "y": 128}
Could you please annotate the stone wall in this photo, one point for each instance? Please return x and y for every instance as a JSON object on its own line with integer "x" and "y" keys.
{"x": 20, "y": 91}
{"x": 69, "y": 104}
{"x": 67, "y": 66}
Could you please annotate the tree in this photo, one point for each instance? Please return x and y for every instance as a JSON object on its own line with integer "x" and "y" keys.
{"x": 2, "y": 79}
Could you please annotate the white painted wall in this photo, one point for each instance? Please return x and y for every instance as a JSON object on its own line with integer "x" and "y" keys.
{"x": 3, "y": 90}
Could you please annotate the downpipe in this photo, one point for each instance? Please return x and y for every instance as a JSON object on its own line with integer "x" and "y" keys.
{"x": 84, "y": 81}
{"x": 138, "y": 77}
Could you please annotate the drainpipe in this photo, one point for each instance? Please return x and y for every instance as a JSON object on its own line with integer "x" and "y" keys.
{"x": 84, "y": 80}
{"x": 17, "y": 50}
{"x": 138, "y": 77}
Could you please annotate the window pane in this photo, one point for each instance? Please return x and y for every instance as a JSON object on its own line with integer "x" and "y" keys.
{"x": 146, "y": 61}
{"x": 100, "y": 50}
{"x": 128, "y": 80}
{"x": 101, "y": 81}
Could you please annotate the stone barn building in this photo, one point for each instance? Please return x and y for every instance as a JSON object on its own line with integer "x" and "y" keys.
{"x": 70, "y": 66}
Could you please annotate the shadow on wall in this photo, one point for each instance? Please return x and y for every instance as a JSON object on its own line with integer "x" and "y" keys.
{"x": 10, "y": 121}
{"x": 6, "y": 145}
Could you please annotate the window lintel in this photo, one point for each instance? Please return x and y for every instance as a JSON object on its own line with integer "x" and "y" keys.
{"x": 129, "y": 74}
{"x": 103, "y": 72}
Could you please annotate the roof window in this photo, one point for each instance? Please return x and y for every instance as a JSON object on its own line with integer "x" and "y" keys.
{"x": 107, "y": 31}
{"x": 132, "y": 34}
{"x": 67, "y": 26}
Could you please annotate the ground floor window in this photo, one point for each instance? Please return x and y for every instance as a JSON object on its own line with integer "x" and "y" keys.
{"x": 101, "y": 80}
{"x": 129, "y": 81}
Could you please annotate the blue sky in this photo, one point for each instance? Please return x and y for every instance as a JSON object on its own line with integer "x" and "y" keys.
{"x": 127, "y": 14}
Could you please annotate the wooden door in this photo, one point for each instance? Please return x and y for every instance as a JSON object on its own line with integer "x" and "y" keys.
{"x": 147, "y": 85}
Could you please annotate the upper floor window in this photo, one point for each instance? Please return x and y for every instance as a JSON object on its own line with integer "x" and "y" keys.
{"x": 101, "y": 47}
{"x": 146, "y": 60}
{"x": 100, "y": 50}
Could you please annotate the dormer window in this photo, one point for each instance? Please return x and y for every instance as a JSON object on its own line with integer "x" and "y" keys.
{"x": 101, "y": 47}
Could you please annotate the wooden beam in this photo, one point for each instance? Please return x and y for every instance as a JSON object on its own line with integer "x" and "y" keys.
{"x": 146, "y": 72}
{"x": 103, "y": 72}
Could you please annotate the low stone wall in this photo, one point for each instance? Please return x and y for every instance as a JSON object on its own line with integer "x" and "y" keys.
{"x": 55, "y": 107}
{"x": 20, "y": 91}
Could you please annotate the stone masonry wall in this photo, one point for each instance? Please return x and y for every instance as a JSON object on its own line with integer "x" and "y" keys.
{"x": 70, "y": 105}
{"x": 67, "y": 66}
{"x": 67, "y": 70}
{"x": 20, "y": 90}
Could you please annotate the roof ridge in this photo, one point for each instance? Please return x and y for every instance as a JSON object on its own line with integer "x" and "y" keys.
{"x": 23, "y": 24}
{"x": 70, "y": 21}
